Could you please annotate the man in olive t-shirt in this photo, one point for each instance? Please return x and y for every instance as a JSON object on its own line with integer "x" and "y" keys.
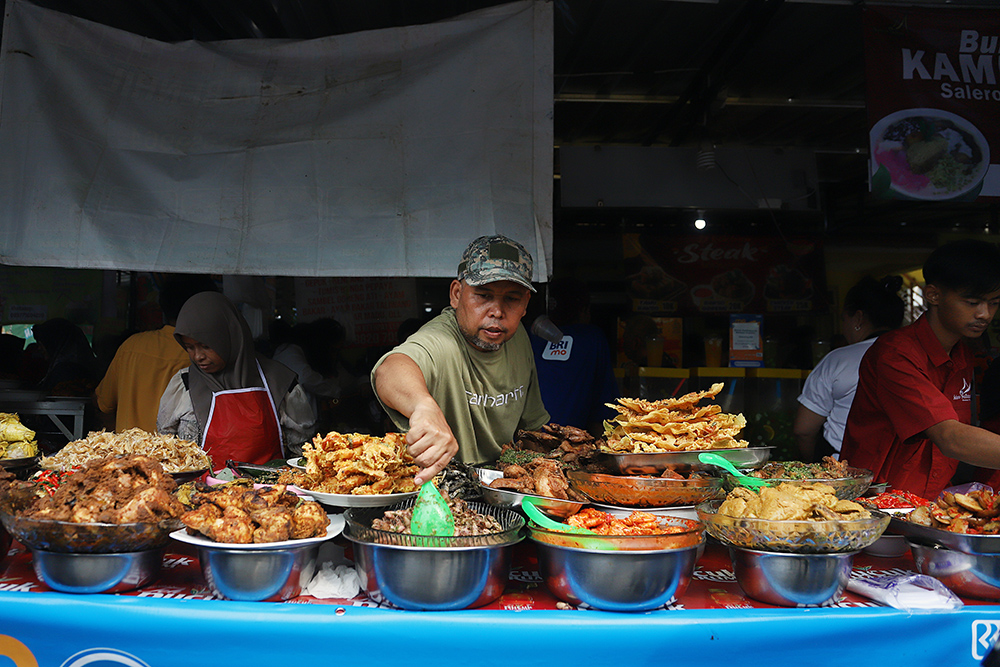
{"x": 466, "y": 380}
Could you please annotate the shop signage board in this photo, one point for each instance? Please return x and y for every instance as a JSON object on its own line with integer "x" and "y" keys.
{"x": 932, "y": 98}
{"x": 720, "y": 275}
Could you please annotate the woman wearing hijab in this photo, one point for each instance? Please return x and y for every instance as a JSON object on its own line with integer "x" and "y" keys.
{"x": 236, "y": 403}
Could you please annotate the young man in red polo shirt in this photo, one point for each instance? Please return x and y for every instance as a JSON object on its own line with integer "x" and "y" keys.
{"x": 910, "y": 422}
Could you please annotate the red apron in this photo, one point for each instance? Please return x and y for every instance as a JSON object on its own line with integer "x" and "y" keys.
{"x": 243, "y": 426}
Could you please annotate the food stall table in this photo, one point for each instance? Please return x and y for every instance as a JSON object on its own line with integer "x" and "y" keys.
{"x": 66, "y": 412}
{"x": 176, "y": 621}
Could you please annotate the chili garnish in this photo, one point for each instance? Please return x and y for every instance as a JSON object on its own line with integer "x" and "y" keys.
{"x": 897, "y": 500}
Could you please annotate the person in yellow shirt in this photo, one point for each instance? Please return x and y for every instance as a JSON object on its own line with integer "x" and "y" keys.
{"x": 143, "y": 365}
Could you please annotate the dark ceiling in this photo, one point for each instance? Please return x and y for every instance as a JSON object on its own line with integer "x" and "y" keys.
{"x": 762, "y": 73}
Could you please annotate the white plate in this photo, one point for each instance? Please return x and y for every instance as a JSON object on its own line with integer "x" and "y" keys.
{"x": 682, "y": 511}
{"x": 929, "y": 192}
{"x": 354, "y": 500}
{"x": 299, "y": 462}
{"x": 336, "y": 525}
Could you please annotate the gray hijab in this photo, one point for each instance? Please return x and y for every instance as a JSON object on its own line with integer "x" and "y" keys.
{"x": 212, "y": 319}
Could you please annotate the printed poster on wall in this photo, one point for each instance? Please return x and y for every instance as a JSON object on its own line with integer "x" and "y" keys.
{"x": 933, "y": 101}
{"x": 670, "y": 274}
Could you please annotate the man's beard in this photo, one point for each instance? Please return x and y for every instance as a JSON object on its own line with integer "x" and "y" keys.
{"x": 480, "y": 344}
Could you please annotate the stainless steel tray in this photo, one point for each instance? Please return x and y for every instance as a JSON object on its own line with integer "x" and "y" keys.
{"x": 970, "y": 544}
{"x": 651, "y": 463}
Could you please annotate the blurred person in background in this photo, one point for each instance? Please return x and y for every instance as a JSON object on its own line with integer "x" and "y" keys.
{"x": 129, "y": 394}
{"x": 313, "y": 351}
{"x": 11, "y": 352}
{"x": 237, "y": 404}
{"x": 871, "y": 308}
{"x": 71, "y": 368}
{"x": 575, "y": 374}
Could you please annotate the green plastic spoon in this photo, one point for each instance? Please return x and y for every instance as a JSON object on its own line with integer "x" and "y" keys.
{"x": 538, "y": 517}
{"x": 431, "y": 514}
{"x": 745, "y": 480}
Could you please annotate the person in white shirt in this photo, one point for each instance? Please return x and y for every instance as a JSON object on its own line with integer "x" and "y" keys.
{"x": 870, "y": 307}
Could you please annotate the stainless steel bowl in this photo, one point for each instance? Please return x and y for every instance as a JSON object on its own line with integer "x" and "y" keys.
{"x": 617, "y": 580}
{"x": 683, "y": 533}
{"x": 642, "y": 492}
{"x": 967, "y": 575}
{"x": 258, "y": 575}
{"x": 557, "y": 508}
{"x": 97, "y": 573}
{"x": 433, "y": 573}
{"x": 792, "y": 580}
{"x": 977, "y": 545}
{"x": 653, "y": 463}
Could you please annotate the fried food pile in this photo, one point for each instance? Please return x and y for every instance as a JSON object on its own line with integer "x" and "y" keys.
{"x": 540, "y": 476}
{"x": 173, "y": 453}
{"x": 6, "y": 480}
{"x": 791, "y": 502}
{"x": 572, "y": 446}
{"x": 129, "y": 489}
{"x": 16, "y": 440}
{"x": 975, "y": 513}
{"x": 828, "y": 468}
{"x": 355, "y": 463}
{"x": 467, "y": 520}
{"x": 636, "y": 523}
{"x": 672, "y": 424}
{"x": 237, "y": 513}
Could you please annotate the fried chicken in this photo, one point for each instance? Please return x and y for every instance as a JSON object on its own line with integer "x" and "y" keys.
{"x": 239, "y": 514}
{"x": 124, "y": 489}
{"x": 541, "y": 476}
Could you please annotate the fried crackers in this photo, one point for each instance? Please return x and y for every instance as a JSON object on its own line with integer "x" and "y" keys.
{"x": 358, "y": 464}
{"x": 672, "y": 424}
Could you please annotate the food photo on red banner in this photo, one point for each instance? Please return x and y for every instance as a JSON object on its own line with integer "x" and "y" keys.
{"x": 932, "y": 98}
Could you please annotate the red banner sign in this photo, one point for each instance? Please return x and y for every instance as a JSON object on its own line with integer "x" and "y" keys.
{"x": 724, "y": 274}
{"x": 933, "y": 99}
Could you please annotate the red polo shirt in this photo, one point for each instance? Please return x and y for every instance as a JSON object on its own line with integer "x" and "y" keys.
{"x": 906, "y": 384}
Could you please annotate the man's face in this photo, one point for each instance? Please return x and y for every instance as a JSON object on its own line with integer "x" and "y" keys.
{"x": 488, "y": 315}
{"x": 963, "y": 315}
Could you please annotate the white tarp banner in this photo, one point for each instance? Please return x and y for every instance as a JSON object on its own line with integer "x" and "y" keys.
{"x": 379, "y": 153}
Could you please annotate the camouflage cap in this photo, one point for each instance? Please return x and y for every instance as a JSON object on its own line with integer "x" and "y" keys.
{"x": 489, "y": 259}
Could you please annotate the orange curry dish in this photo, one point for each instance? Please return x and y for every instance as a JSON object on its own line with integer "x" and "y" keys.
{"x": 636, "y": 523}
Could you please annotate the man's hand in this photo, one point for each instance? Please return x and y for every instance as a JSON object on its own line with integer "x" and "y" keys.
{"x": 430, "y": 440}
{"x": 400, "y": 385}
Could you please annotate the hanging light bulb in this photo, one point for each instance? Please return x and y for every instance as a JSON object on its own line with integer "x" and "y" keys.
{"x": 699, "y": 221}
